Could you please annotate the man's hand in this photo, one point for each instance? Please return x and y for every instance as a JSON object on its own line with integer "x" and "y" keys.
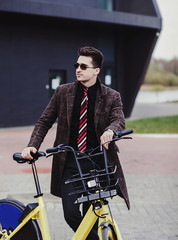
{"x": 26, "y": 152}
{"x": 106, "y": 138}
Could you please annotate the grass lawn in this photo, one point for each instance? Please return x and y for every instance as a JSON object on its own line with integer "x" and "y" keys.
{"x": 154, "y": 125}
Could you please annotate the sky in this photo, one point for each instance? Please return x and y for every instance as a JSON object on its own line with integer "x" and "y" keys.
{"x": 167, "y": 44}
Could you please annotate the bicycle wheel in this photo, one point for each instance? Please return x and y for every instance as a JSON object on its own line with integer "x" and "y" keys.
{"x": 10, "y": 212}
{"x": 108, "y": 233}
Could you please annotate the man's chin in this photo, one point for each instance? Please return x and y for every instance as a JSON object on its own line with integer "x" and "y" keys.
{"x": 81, "y": 80}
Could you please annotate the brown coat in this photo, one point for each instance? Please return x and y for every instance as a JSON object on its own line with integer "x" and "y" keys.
{"x": 108, "y": 115}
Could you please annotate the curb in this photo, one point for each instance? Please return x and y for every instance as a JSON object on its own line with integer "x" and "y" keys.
{"x": 156, "y": 135}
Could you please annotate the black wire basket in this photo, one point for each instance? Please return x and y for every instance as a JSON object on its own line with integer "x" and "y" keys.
{"x": 94, "y": 185}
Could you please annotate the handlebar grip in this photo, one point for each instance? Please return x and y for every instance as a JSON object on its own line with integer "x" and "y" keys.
{"x": 51, "y": 150}
{"x": 18, "y": 157}
{"x": 124, "y": 132}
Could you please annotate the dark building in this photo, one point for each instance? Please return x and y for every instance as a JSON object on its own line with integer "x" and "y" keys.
{"x": 39, "y": 41}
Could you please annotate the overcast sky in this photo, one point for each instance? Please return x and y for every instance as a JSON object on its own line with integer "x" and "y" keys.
{"x": 167, "y": 44}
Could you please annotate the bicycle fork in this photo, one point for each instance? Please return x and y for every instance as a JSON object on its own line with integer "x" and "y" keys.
{"x": 106, "y": 220}
{"x": 96, "y": 210}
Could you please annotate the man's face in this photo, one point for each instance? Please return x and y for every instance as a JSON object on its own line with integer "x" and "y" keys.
{"x": 89, "y": 75}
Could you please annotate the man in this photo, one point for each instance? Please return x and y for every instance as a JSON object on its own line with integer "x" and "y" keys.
{"x": 104, "y": 115}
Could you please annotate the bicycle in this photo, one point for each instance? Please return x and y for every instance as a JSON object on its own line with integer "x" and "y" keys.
{"x": 19, "y": 222}
{"x": 95, "y": 186}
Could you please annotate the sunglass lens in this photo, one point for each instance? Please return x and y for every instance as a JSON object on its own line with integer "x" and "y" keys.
{"x": 83, "y": 66}
{"x": 76, "y": 65}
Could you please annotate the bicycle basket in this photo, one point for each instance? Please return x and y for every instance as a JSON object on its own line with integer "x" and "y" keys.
{"x": 96, "y": 184}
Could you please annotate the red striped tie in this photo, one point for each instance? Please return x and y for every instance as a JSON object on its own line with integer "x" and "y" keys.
{"x": 82, "y": 135}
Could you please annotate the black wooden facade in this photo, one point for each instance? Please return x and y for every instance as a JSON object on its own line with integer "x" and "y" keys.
{"x": 39, "y": 41}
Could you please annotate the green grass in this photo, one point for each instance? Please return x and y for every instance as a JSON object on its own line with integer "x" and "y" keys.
{"x": 154, "y": 125}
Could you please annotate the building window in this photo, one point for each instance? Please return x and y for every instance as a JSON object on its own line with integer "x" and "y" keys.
{"x": 108, "y": 77}
{"x": 106, "y": 4}
{"x": 56, "y": 78}
{"x": 107, "y": 74}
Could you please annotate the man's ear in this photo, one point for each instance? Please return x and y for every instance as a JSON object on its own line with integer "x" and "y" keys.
{"x": 97, "y": 71}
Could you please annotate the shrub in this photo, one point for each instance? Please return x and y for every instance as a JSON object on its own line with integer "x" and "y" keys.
{"x": 156, "y": 74}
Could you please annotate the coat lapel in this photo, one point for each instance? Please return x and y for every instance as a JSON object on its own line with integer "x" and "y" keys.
{"x": 98, "y": 105}
{"x": 70, "y": 102}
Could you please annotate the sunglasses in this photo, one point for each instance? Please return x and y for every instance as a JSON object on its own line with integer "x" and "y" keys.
{"x": 82, "y": 66}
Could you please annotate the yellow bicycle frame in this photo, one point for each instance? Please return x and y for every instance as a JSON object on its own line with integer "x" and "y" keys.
{"x": 38, "y": 213}
{"x": 90, "y": 219}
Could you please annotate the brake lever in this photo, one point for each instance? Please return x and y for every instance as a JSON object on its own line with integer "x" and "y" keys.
{"x": 126, "y": 137}
{"x": 55, "y": 153}
{"x": 119, "y": 138}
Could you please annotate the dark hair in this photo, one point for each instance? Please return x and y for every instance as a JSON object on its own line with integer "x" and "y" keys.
{"x": 95, "y": 54}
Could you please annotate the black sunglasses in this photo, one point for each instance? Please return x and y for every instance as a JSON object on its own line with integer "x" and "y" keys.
{"x": 82, "y": 66}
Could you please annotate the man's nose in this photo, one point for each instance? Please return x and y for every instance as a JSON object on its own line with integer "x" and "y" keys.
{"x": 78, "y": 69}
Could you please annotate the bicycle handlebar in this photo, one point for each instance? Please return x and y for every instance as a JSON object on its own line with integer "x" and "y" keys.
{"x": 60, "y": 148}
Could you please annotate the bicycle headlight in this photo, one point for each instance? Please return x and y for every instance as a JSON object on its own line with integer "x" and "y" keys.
{"x": 91, "y": 183}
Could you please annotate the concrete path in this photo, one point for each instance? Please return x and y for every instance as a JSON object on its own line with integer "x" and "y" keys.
{"x": 146, "y": 110}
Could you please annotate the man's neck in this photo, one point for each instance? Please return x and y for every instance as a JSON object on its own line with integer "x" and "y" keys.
{"x": 89, "y": 83}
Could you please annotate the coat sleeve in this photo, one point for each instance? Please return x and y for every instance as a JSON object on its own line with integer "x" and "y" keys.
{"x": 44, "y": 123}
{"x": 116, "y": 118}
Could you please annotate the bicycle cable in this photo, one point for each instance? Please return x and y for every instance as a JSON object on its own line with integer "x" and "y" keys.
{"x": 110, "y": 212}
{"x": 100, "y": 216}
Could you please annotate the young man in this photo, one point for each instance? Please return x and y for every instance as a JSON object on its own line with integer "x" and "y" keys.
{"x": 103, "y": 116}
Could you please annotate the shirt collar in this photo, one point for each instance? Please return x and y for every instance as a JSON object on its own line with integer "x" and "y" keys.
{"x": 90, "y": 89}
